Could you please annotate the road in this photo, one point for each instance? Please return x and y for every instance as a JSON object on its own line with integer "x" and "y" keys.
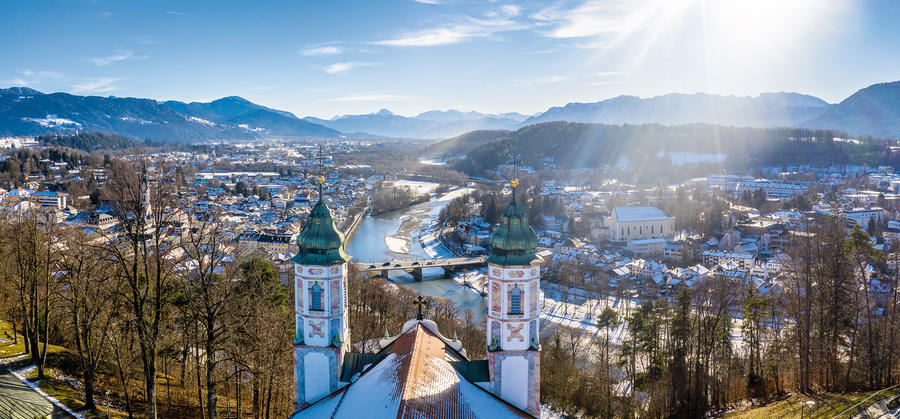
{"x": 18, "y": 401}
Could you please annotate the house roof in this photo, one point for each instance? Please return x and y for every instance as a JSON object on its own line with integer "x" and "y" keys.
{"x": 414, "y": 379}
{"x": 630, "y": 214}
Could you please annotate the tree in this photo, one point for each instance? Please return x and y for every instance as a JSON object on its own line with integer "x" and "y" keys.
{"x": 241, "y": 188}
{"x": 35, "y": 256}
{"x": 88, "y": 277}
{"x": 144, "y": 209}
{"x": 608, "y": 320}
{"x": 209, "y": 293}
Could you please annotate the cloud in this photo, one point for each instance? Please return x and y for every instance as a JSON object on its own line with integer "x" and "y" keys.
{"x": 596, "y": 17}
{"x": 121, "y": 55}
{"x": 465, "y": 29}
{"x": 560, "y": 78}
{"x": 427, "y": 1}
{"x": 510, "y": 10}
{"x": 344, "y": 67}
{"x": 97, "y": 85}
{"x": 371, "y": 98}
{"x": 32, "y": 78}
{"x": 327, "y": 50}
{"x": 177, "y": 13}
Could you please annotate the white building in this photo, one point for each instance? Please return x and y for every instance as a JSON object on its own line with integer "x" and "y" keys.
{"x": 635, "y": 223}
{"x": 743, "y": 260}
{"x": 861, "y": 216}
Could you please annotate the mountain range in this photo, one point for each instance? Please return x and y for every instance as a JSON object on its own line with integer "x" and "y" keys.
{"x": 431, "y": 124}
{"x": 874, "y": 110}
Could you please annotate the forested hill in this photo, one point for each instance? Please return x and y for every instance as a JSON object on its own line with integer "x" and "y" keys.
{"x": 89, "y": 141}
{"x": 464, "y": 143}
{"x": 651, "y": 146}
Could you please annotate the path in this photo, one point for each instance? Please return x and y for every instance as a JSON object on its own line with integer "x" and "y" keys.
{"x": 18, "y": 401}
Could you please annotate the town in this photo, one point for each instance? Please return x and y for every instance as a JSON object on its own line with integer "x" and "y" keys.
{"x": 608, "y": 247}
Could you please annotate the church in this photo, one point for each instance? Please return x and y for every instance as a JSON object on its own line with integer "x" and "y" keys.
{"x": 419, "y": 372}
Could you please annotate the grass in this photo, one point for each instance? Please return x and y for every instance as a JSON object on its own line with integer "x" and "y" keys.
{"x": 827, "y": 406}
{"x": 68, "y": 396}
{"x": 10, "y": 349}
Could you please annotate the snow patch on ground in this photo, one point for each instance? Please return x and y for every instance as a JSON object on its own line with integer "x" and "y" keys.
{"x": 21, "y": 373}
{"x": 456, "y": 194}
{"x": 418, "y": 188}
{"x": 396, "y": 244}
{"x": 51, "y": 121}
{"x": 201, "y": 121}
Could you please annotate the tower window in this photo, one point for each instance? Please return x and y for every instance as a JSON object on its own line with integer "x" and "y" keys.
{"x": 515, "y": 300}
{"x": 315, "y": 297}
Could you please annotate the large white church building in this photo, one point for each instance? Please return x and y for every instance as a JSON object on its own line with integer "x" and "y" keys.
{"x": 418, "y": 373}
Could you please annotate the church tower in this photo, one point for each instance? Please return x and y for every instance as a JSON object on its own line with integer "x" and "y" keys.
{"x": 320, "y": 305}
{"x": 513, "y": 341}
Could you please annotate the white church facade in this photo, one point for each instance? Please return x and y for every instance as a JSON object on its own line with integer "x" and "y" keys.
{"x": 418, "y": 373}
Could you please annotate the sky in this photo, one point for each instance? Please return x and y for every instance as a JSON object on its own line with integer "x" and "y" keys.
{"x": 327, "y": 58}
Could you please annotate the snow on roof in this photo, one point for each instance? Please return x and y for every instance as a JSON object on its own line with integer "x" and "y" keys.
{"x": 413, "y": 381}
{"x": 629, "y": 214}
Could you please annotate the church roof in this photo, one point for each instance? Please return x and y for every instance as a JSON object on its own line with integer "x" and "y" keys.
{"x": 415, "y": 379}
{"x": 320, "y": 242}
{"x": 514, "y": 242}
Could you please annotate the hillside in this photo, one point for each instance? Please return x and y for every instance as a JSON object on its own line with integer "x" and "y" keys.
{"x": 653, "y": 148}
{"x": 874, "y": 111}
{"x": 464, "y": 143}
{"x": 26, "y": 111}
{"x": 431, "y": 124}
{"x": 765, "y": 110}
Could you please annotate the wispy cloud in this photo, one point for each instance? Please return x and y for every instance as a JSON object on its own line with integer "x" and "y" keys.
{"x": 144, "y": 39}
{"x": 467, "y": 28}
{"x": 591, "y": 79}
{"x": 97, "y": 85}
{"x": 371, "y": 98}
{"x": 177, "y": 13}
{"x": 326, "y": 50}
{"x": 344, "y": 67}
{"x": 32, "y": 78}
{"x": 596, "y": 17}
{"x": 427, "y": 1}
{"x": 121, "y": 55}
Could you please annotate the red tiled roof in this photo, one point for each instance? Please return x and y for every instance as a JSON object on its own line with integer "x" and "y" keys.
{"x": 413, "y": 381}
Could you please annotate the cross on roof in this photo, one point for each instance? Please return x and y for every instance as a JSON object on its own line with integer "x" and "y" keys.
{"x": 420, "y": 301}
{"x": 321, "y": 178}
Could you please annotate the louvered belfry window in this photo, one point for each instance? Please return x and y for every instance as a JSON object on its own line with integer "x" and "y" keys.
{"x": 515, "y": 300}
{"x": 315, "y": 297}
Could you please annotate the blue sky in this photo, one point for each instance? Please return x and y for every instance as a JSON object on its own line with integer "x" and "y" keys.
{"x": 325, "y": 58}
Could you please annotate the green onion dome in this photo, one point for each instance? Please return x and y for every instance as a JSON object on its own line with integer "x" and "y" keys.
{"x": 320, "y": 242}
{"x": 514, "y": 242}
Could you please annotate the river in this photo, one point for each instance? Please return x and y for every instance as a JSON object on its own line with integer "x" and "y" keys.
{"x": 394, "y": 235}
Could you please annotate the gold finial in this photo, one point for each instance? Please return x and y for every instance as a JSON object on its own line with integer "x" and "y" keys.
{"x": 514, "y": 183}
{"x": 320, "y": 180}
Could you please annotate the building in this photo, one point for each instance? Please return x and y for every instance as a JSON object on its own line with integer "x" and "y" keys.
{"x": 743, "y": 260}
{"x": 418, "y": 373}
{"x": 275, "y": 243}
{"x": 861, "y": 216}
{"x": 737, "y": 185}
{"x": 646, "y": 247}
{"x": 513, "y": 319}
{"x": 50, "y": 200}
{"x": 320, "y": 294}
{"x": 635, "y": 223}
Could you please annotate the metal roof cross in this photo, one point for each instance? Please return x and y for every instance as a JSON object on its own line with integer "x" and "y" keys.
{"x": 420, "y": 301}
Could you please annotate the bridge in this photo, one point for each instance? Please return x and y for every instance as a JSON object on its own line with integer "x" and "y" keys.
{"x": 414, "y": 267}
